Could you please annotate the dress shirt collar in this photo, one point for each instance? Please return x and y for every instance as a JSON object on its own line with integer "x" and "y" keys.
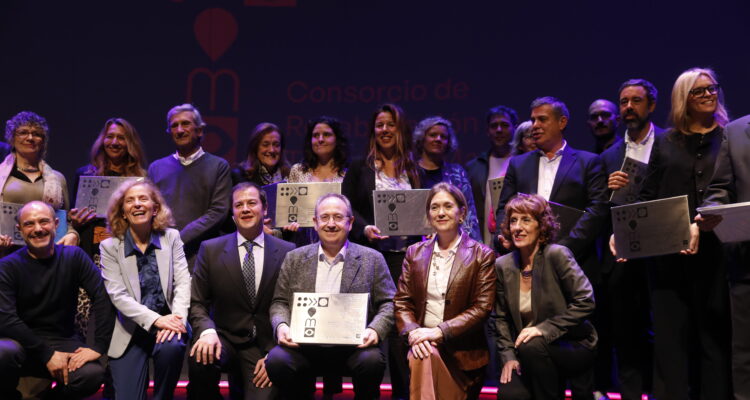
{"x": 130, "y": 247}
{"x": 558, "y": 153}
{"x": 258, "y": 240}
{"x": 451, "y": 249}
{"x": 189, "y": 159}
{"x": 645, "y": 141}
{"x": 339, "y": 257}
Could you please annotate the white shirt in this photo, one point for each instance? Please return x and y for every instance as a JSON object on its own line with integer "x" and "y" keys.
{"x": 498, "y": 166}
{"x": 258, "y": 255}
{"x": 437, "y": 282}
{"x": 328, "y": 276}
{"x": 640, "y": 151}
{"x": 548, "y": 171}
{"x": 185, "y": 161}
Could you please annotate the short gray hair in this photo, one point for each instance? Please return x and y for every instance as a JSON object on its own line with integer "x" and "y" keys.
{"x": 341, "y": 197}
{"x": 558, "y": 107}
{"x": 425, "y": 126}
{"x": 183, "y": 108}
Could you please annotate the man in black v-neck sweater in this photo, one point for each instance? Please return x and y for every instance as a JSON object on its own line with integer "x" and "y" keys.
{"x": 38, "y": 291}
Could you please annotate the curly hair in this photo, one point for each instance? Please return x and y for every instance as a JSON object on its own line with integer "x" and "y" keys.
{"x": 537, "y": 207}
{"x": 135, "y": 159}
{"x": 115, "y": 215}
{"x": 427, "y": 124}
{"x": 251, "y": 165}
{"x": 404, "y": 160}
{"x": 340, "y": 153}
{"x": 27, "y": 118}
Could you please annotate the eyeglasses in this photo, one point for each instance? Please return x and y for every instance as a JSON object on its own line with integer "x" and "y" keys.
{"x": 337, "y": 218}
{"x": 21, "y": 133}
{"x": 711, "y": 89}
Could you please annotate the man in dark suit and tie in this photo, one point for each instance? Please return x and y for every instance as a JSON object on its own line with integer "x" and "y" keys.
{"x": 333, "y": 266}
{"x": 232, "y": 285}
{"x": 625, "y": 301}
{"x": 561, "y": 174}
{"x": 729, "y": 184}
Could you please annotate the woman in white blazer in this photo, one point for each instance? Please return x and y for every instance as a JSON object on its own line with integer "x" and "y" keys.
{"x": 147, "y": 279}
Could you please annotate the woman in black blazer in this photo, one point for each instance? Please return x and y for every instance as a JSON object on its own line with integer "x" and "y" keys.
{"x": 689, "y": 291}
{"x": 388, "y": 165}
{"x": 542, "y": 301}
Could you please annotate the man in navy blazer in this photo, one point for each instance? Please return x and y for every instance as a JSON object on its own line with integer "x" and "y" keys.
{"x": 232, "y": 285}
{"x": 625, "y": 303}
{"x": 730, "y": 184}
{"x": 561, "y": 174}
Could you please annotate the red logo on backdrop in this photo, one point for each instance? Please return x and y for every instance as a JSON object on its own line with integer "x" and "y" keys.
{"x": 271, "y": 3}
{"x": 216, "y": 30}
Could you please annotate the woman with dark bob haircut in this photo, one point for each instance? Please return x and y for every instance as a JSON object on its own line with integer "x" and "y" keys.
{"x": 444, "y": 297}
{"x": 325, "y": 151}
{"x": 542, "y": 301}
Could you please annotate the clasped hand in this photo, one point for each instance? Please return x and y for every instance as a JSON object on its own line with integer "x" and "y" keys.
{"x": 62, "y": 363}
{"x": 422, "y": 340}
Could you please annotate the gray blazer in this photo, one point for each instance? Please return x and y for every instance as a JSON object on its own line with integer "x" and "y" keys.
{"x": 124, "y": 288}
{"x": 365, "y": 271}
{"x": 561, "y": 300}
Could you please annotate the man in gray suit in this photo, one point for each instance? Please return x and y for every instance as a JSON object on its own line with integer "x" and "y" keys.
{"x": 729, "y": 184}
{"x": 232, "y": 285}
{"x": 333, "y": 266}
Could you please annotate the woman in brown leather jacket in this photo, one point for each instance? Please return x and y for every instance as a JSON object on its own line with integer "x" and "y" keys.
{"x": 444, "y": 296}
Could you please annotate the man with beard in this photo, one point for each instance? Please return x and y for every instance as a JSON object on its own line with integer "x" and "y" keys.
{"x": 332, "y": 266}
{"x": 603, "y": 120}
{"x": 625, "y": 301}
{"x": 491, "y": 164}
{"x": 195, "y": 184}
{"x": 38, "y": 295}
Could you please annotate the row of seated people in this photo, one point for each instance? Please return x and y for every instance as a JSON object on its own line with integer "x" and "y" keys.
{"x": 197, "y": 186}
{"x": 237, "y": 304}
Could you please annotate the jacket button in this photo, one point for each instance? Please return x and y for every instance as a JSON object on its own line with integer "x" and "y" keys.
{"x": 699, "y": 156}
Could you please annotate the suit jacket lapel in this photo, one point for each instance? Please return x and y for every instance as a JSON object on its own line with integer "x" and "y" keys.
{"x": 513, "y": 285}
{"x": 568, "y": 159}
{"x": 536, "y": 282}
{"x": 530, "y": 167}
{"x": 270, "y": 261}
{"x": 231, "y": 261}
{"x": 462, "y": 258}
{"x": 352, "y": 264}
{"x": 421, "y": 274}
{"x": 130, "y": 267}
{"x": 164, "y": 265}
{"x": 310, "y": 270}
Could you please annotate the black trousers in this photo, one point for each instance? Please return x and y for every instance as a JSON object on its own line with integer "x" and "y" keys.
{"x": 15, "y": 363}
{"x": 398, "y": 347}
{"x": 544, "y": 369}
{"x": 294, "y": 370}
{"x": 629, "y": 309}
{"x": 239, "y": 364}
{"x": 690, "y": 301}
{"x": 738, "y": 263}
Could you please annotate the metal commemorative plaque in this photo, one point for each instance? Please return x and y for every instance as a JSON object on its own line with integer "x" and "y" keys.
{"x": 628, "y": 194}
{"x": 8, "y": 213}
{"x": 734, "y": 225}
{"x": 94, "y": 192}
{"x": 496, "y": 186}
{"x": 401, "y": 212}
{"x": 329, "y": 318}
{"x": 295, "y": 202}
{"x": 651, "y": 228}
{"x": 567, "y": 217}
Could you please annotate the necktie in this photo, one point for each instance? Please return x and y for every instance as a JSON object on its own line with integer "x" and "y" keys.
{"x": 248, "y": 271}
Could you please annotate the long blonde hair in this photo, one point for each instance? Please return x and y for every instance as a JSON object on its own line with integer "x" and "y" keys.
{"x": 116, "y": 218}
{"x": 679, "y": 117}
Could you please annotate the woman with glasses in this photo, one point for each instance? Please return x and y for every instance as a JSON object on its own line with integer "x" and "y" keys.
{"x": 689, "y": 293}
{"x": 523, "y": 140}
{"x": 25, "y": 176}
{"x": 434, "y": 142}
{"x": 444, "y": 297}
{"x": 388, "y": 166}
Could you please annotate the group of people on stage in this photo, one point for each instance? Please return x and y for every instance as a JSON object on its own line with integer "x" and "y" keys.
{"x": 186, "y": 260}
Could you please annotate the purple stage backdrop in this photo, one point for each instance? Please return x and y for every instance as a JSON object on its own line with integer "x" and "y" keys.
{"x": 285, "y": 61}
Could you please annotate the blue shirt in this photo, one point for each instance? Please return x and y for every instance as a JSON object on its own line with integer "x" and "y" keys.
{"x": 152, "y": 295}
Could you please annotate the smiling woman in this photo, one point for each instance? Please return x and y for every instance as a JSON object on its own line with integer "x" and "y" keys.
{"x": 265, "y": 162}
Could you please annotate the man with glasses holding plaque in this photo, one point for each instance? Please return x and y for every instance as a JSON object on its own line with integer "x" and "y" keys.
{"x": 332, "y": 266}
{"x": 232, "y": 285}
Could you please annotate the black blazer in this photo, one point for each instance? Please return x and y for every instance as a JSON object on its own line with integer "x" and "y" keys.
{"x": 477, "y": 169}
{"x": 580, "y": 183}
{"x": 561, "y": 300}
{"x": 219, "y": 299}
{"x": 358, "y": 184}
